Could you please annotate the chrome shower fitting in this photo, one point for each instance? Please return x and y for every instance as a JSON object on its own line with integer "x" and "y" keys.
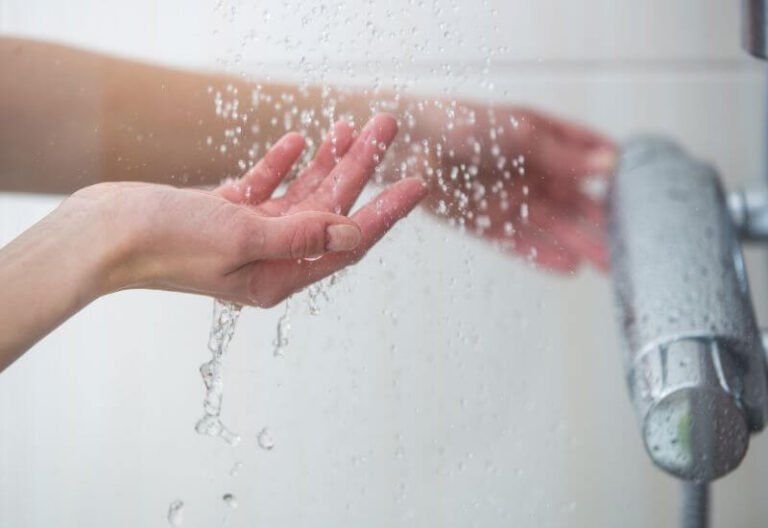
{"x": 749, "y": 211}
{"x": 754, "y": 30}
{"x": 693, "y": 353}
{"x": 694, "y": 358}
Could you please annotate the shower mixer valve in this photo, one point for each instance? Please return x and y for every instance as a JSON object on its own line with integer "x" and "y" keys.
{"x": 694, "y": 357}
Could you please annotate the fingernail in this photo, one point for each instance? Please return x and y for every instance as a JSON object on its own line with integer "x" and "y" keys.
{"x": 342, "y": 237}
{"x": 602, "y": 160}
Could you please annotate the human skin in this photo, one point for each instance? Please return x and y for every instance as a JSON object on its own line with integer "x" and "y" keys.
{"x": 70, "y": 118}
{"x": 235, "y": 242}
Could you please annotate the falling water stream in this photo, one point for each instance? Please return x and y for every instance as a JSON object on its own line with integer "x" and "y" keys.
{"x": 464, "y": 205}
{"x": 225, "y": 317}
{"x": 176, "y": 513}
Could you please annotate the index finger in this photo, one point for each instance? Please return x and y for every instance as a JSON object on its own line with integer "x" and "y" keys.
{"x": 556, "y": 147}
{"x": 342, "y": 186}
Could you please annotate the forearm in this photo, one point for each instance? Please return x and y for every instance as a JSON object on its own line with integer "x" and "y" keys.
{"x": 48, "y": 273}
{"x": 70, "y": 118}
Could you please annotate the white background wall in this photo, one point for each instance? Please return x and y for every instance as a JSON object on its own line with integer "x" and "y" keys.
{"x": 443, "y": 384}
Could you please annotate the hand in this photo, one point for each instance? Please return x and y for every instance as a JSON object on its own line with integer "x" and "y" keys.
{"x": 239, "y": 244}
{"x": 514, "y": 176}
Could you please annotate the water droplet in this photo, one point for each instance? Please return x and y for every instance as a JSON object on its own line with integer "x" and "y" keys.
{"x": 283, "y": 330}
{"x": 230, "y": 500}
{"x": 265, "y": 440}
{"x": 176, "y": 513}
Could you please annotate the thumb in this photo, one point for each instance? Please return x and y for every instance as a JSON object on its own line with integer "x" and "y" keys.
{"x": 308, "y": 234}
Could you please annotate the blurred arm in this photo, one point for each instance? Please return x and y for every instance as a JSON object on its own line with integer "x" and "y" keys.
{"x": 70, "y": 118}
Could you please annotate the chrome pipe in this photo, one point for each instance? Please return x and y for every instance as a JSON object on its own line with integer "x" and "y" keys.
{"x": 695, "y": 511}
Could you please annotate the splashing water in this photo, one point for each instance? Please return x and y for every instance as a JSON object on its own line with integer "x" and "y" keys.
{"x": 176, "y": 513}
{"x": 468, "y": 154}
{"x": 319, "y": 291}
{"x": 225, "y": 317}
{"x": 316, "y": 294}
{"x": 283, "y": 330}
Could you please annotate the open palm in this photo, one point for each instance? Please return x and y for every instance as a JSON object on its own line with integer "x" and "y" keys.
{"x": 237, "y": 243}
{"x": 330, "y": 184}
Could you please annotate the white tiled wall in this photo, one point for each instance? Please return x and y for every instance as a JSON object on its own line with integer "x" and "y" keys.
{"x": 443, "y": 384}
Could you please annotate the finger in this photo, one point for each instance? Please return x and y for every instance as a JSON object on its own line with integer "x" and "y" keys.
{"x": 334, "y": 147}
{"x": 579, "y": 135}
{"x": 571, "y": 234}
{"x": 269, "y": 282}
{"x": 341, "y": 187}
{"x": 587, "y": 208}
{"x": 560, "y": 148}
{"x": 573, "y": 199}
{"x": 382, "y": 212}
{"x": 525, "y": 238}
{"x": 300, "y": 235}
{"x": 260, "y": 182}
{"x": 554, "y": 157}
{"x": 543, "y": 253}
{"x": 567, "y": 130}
{"x": 529, "y": 242}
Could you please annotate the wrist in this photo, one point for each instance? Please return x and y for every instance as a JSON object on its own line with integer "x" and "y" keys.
{"x": 49, "y": 273}
{"x": 98, "y": 241}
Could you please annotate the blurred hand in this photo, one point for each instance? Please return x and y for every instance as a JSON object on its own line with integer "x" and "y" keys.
{"x": 236, "y": 242}
{"x": 514, "y": 176}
